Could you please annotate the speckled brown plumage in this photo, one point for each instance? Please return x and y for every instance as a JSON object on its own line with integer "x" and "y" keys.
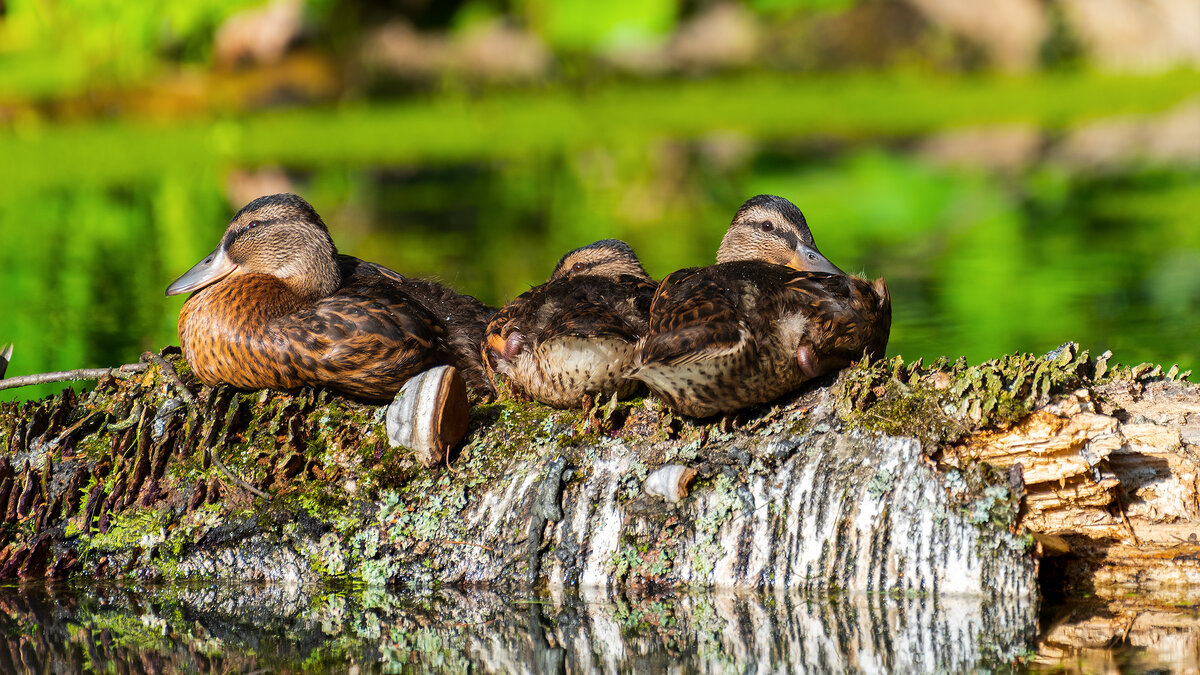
{"x": 275, "y": 306}
{"x": 746, "y": 331}
{"x": 574, "y": 336}
{"x": 464, "y": 319}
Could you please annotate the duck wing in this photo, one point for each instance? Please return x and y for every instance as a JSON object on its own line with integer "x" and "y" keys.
{"x": 464, "y": 317}
{"x": 597, "y": 307}
{"x": 362, "y": 340}
{"x": 693, "y": 317}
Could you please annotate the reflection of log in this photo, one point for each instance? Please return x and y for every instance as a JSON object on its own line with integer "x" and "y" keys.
{"x": 851, "y": 486}
{"x": 279, "y": 630}
{"x": 1122, "y": 635}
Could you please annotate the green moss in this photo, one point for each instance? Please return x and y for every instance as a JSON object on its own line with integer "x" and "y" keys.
{"x": 142, "y": 528}
{"x": 707, "y": 550}
{"x": 940, "y": 402}
{"x": 901, "y": 409}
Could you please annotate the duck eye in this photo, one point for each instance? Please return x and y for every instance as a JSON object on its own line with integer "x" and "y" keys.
{"x": 766, "y": 226}
{"x": 253, "y": 224}
{"x": 578, "y": 267}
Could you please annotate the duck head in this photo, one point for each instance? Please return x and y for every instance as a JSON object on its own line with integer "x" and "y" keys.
{"x": 605, "y": 258}
{"x": 610, "y": 258}
{"x": 772, "y": 229}
{"x": 278, "y": 235}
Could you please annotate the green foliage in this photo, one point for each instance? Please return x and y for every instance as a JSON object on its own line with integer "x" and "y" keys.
{"x": 584, "y": 24}
{"x": 55, "y": 48}
{"x": 786, "y": 7}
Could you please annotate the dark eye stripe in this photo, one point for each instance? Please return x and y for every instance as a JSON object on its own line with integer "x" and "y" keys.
{"x": 237, "y": 234}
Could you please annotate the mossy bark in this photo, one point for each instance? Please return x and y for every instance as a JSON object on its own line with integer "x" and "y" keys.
{"x": 869, "y": 482}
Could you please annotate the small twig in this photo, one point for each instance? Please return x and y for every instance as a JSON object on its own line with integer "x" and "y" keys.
{"x": 65, "y": 375}
{"x": 1125, "y": 519}
{"x": 172, "y": 374}
{"x": 464, "y": 543}
{"x": 1129, "y": 627}
{"x": 233, "y": 477}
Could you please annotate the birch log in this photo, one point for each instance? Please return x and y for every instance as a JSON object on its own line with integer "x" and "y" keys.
{"x": 895, "y": 478}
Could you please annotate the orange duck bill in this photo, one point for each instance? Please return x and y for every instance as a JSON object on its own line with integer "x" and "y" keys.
{"x": 213, "y": 268}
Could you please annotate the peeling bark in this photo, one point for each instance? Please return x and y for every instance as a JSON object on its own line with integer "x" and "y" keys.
{"x": 1112, "y": 479}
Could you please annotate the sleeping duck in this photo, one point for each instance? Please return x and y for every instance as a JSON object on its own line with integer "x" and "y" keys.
{"x": 771, "y": 314}
{"x": 275, "y": 306}
{"x": 574, "y": 336}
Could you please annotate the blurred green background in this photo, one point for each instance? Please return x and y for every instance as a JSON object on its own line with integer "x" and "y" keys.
{"x": 1020, "y": 172}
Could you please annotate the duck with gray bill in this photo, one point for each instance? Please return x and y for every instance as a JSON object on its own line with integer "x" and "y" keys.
{"x": 771, "y": 314}
{"x": 276, "y": 306}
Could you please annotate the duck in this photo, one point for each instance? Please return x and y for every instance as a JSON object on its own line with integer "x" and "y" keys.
{"x": 772, "y": 314}
{"x": 276, "y": 306}
{"x": 571, "y": 340}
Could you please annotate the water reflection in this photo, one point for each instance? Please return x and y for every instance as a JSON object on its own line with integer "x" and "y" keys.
{"x": 980, "y": 263}
{"x": 221, "y": 629}
{"x": 230, "y": 629}
{"x": 1120, "y": 637}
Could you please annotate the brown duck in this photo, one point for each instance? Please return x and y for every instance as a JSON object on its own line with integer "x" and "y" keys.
{"x": 771, "y": 314}
{"x": 574, "y": 336}
{"x": 275, "y": 306}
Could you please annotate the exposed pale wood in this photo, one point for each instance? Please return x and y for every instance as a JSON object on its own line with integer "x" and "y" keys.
{"x": 1078, "y": 491}
{"x": 1113, "y": 473}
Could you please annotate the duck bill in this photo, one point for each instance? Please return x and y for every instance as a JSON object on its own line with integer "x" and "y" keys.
{"x": 809, "y": 259}
{"x": 213, "y": 268}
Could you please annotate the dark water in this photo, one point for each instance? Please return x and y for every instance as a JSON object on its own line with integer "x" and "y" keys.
{"x": 227, "y": 629}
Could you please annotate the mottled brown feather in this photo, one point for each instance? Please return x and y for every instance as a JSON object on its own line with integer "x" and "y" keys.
{"x": 463, "y": 317}
{"x": 692, "y": 317}
{"x": 600, "y": 311}
{"x": 366, "y": 339}
{"x": 726, "y": 336}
